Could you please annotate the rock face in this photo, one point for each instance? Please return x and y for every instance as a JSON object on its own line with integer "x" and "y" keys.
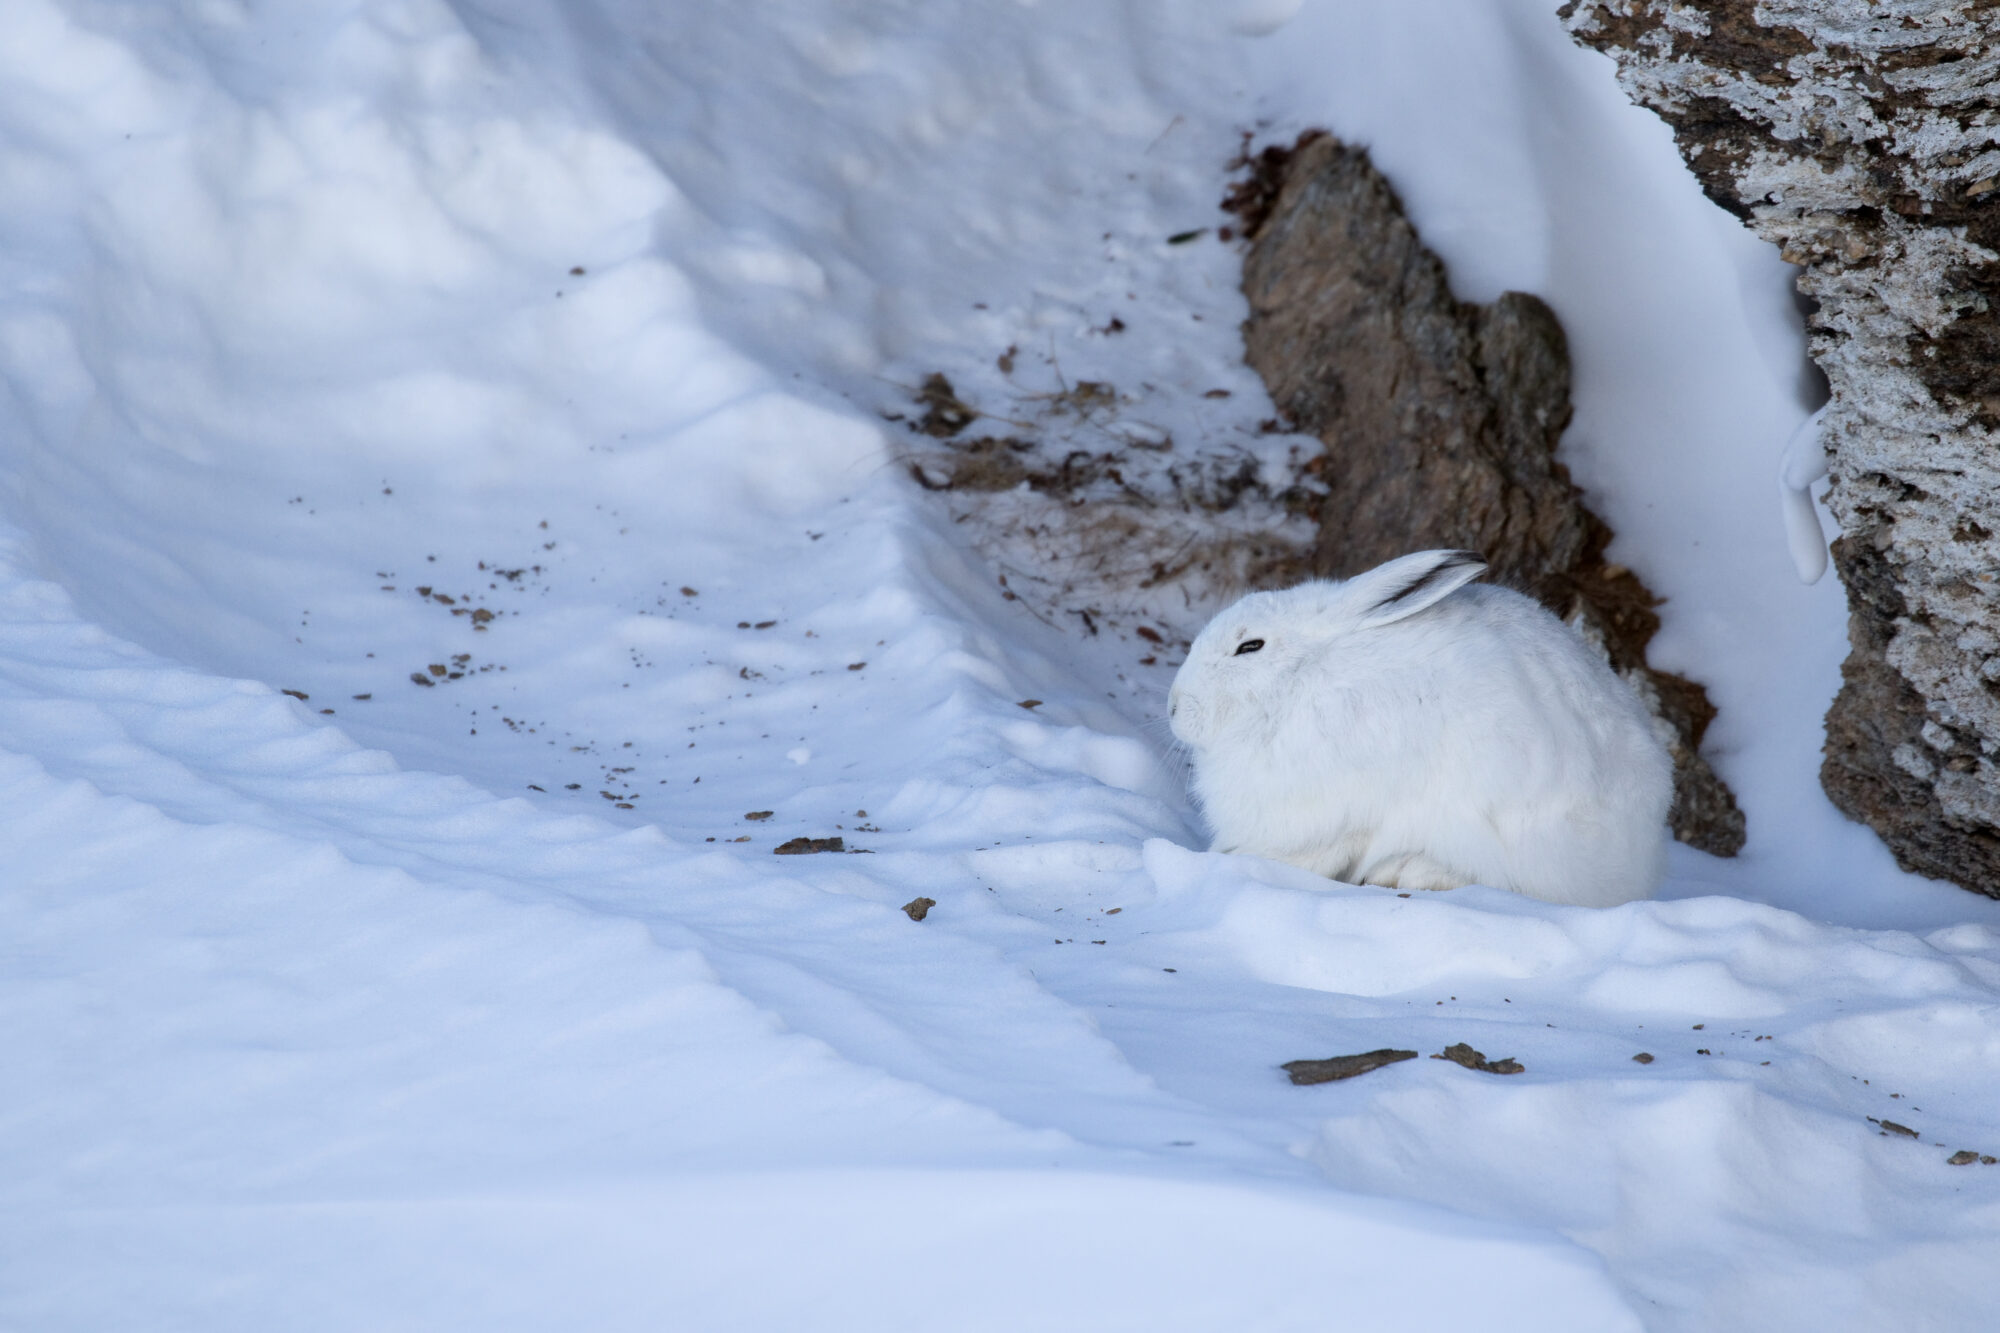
{"x": 1440, "y": 421}
{"x": 1863, "y": 137}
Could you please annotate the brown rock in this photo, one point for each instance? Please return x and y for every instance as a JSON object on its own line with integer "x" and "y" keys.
{"x": 1440, "y": 421}
{"x": 918, "y": 908}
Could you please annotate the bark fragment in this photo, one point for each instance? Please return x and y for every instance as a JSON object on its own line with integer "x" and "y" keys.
{"x": 1305, "y": 1073}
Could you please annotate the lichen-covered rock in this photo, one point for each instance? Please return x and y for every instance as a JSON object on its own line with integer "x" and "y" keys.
{"x": 1440, "y": 421}
{"x": 1863, "y": 137}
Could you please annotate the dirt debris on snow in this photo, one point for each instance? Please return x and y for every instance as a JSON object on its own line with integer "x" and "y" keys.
{"x": 1459, "y": 1053}
{"x": 1305, "y": 1073}
{"x": 807, "y": 846}
{"x": 944, "y": 414}
{"x": 1088, "y": 508}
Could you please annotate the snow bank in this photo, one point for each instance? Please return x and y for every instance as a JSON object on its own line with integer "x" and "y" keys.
{"x": 445, "y": 505}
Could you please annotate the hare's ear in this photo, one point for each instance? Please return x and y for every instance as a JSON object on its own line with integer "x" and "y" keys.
{"x": 1408, "y": 584}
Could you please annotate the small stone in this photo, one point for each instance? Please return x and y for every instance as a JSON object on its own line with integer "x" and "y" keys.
{"x": 1963, "y": 1157}
{"x": 918, "y": 908}
{"x": 1643, "y": 1057}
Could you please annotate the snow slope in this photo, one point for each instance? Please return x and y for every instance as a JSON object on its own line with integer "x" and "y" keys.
{"x": 539, "y": 352}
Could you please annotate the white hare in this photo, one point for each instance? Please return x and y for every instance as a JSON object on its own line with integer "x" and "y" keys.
{"x": 1403, "y": 729}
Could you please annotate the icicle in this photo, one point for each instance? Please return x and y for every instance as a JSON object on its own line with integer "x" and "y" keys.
{"x": 1802, "y": 464}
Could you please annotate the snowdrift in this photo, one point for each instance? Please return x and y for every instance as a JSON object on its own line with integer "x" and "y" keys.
{"x": 450, "y": 535}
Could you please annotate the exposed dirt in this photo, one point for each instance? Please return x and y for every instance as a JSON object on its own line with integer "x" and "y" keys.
{"x": 1099, "y": 518}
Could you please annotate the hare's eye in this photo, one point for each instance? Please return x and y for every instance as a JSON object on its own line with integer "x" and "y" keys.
{"x": 1248, "y": 646}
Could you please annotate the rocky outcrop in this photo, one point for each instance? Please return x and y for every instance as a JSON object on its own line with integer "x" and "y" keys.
{"x": 1863, "y": 138}
{"x": 1440, "y": 421}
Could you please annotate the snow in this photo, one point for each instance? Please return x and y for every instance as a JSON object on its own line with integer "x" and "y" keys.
{"x": 339, "y": 1011}
{"x": 1804, "y": 462}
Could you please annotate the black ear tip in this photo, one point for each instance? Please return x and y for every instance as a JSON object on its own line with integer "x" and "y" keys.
{"x": 1437, "y": 570}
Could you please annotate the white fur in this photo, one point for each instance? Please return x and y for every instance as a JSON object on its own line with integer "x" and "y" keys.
{"x": 1450, "y": 735}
